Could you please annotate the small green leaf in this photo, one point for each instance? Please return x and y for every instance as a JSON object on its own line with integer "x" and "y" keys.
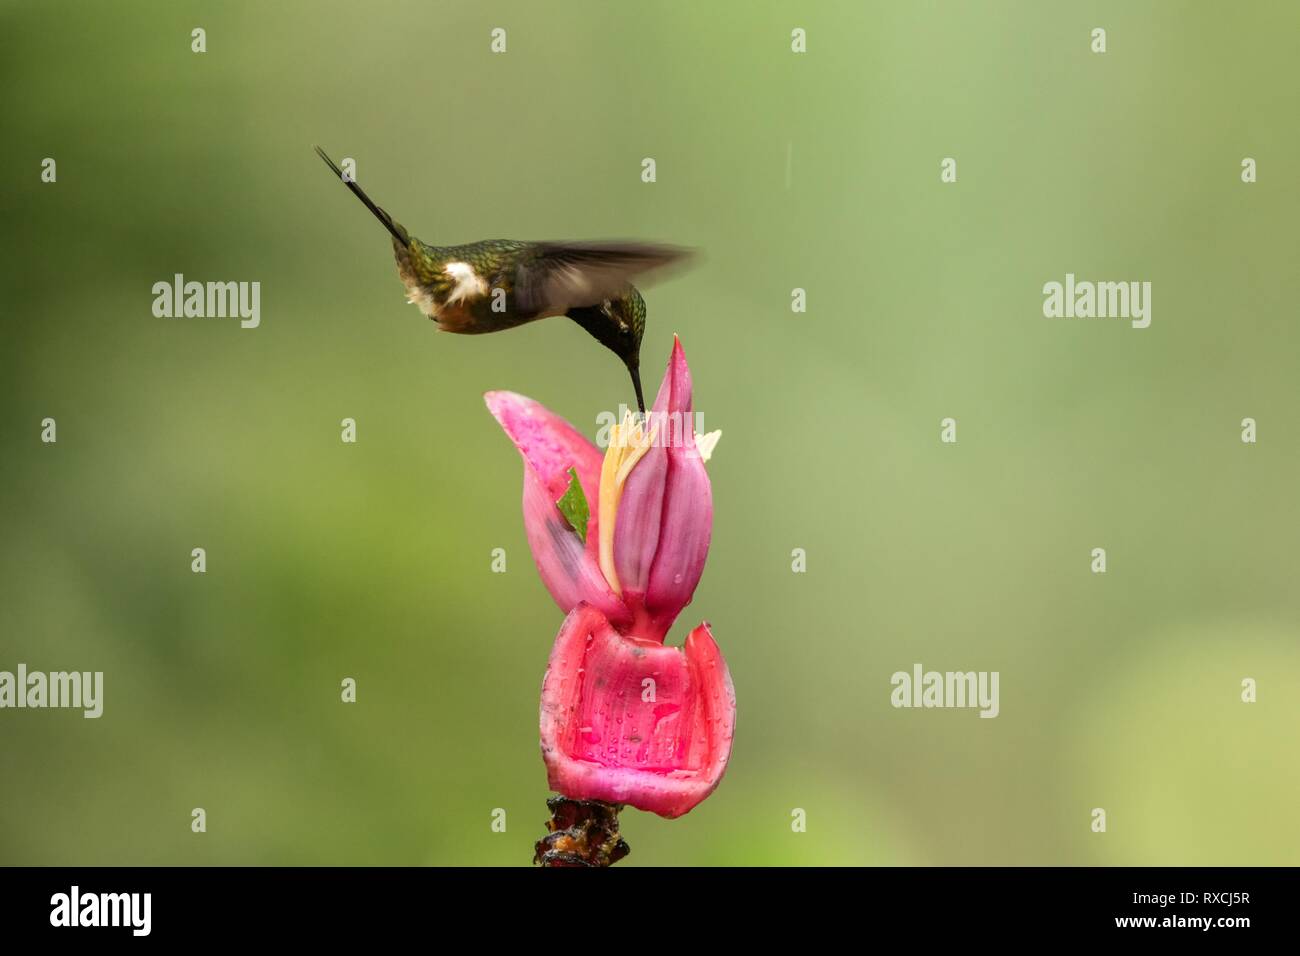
{"x": 573, "y": 505}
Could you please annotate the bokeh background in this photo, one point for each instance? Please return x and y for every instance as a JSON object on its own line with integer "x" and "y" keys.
{"x": 818, "y": 171}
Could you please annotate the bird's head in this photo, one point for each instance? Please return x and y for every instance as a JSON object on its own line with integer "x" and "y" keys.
{"x": 618, "y": 324}
{"x": 627, "y": 314}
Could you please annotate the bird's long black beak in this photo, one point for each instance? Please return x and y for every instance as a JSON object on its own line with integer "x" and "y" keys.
{"x": 635, "y": 371}
{"x": 387, "y": 220}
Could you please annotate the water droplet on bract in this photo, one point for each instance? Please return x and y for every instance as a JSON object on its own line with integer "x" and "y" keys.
{"x": 677, "y": 579}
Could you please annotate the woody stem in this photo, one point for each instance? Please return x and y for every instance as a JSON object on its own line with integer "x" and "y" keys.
{"x": 581, "y": 833}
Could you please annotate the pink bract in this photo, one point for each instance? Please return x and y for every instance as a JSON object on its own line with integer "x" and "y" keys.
{"x": 631, "y": 721}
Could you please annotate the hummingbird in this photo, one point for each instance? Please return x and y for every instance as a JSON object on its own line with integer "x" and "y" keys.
{"x": 498, "y": 284}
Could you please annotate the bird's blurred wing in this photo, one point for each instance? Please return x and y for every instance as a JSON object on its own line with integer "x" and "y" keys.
{"x": 559, "y": 276}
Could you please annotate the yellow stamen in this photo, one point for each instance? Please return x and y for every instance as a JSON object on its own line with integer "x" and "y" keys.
{"x": 628, "y": 444}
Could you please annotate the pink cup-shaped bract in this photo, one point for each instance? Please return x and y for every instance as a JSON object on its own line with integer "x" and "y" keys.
{"x": 625, "y": 718}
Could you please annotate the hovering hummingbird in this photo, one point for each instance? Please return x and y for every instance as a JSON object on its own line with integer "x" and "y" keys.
{"x": 498, "y": 284}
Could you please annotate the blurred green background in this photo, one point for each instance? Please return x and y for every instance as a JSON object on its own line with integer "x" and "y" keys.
{"x": 818, "y": 171}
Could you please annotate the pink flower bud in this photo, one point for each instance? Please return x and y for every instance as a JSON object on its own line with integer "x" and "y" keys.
{"x": 686, "y": 525}
{"x": 650, "y": 502}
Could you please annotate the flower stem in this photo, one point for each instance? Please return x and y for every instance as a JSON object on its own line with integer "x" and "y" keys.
{"x": 581, "y": 833}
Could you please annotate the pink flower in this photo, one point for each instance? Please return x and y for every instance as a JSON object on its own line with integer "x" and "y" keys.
{"x": 647, "y": 540}
{"x": 625, "y": 718}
